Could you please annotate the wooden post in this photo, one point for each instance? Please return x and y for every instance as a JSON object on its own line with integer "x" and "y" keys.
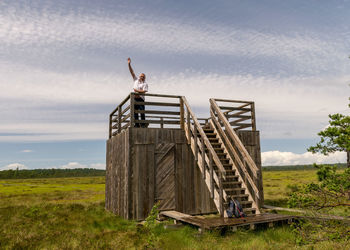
{"x": 195, "y": 143}
{"x": 132, "y": 109}
{"x": 253, "y": 116}
{"x": 182, "y": 114}
{"x": 221, "y": 196}
{"x": 119, "y": 118}
{"x": 161, "y": 123}
{"x": 110, "y": 126}
{"x": 188, "y": 127}
{"x": 203, "y": 157}
{"x": 211, "y": 175}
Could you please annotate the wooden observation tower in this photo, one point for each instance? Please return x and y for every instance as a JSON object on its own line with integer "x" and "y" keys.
{"x": 187, "y": 164}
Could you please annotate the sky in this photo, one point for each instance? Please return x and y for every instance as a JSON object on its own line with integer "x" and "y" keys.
{"x": 63, "y": 67}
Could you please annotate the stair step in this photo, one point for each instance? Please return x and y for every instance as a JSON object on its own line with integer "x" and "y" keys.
{"x": 229, "y": 172}
{"x": 243, "y": 203}
{"x": 225, "y": 159}
{"x": 232, "y": 176}
{"x": 234, "y": 190}
{"x": 221, "y": 154}
{"x": 210, "y": 134}
{"x": 235, "y": 196}
{"x": 208, "y": 130}
{"x": 230, "y": 184}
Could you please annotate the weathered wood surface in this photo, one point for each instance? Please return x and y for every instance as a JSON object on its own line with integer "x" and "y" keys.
{"x": 156, "y": 164}
{"x": 251, "y": 141}
{"x": 165, "y": 175}
{"x": 149, "y": 165}
{"x": 117, "y": 193}
{"x": 216, "y": 223}
{"x": 246, "y": 166}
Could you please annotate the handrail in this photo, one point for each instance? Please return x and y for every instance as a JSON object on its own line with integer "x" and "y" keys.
{"x": 205, "y": 138}
{"x": 205, "y": 159}
{"x": 235, "y": 109}
{"x": 122, "y": 116}
{"x": 242, "y": 157}
{"x": 233, "y": 134}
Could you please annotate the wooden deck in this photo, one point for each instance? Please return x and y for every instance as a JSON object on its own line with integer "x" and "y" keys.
{"x": 232, "y": 224}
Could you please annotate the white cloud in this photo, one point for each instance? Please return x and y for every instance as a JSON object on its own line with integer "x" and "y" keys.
{"x": 27, "y": 151}
{"x": 31, "y": 28}
{"x": 294, "y": 107}
{"x": 98, "y": 165}
{"x": 13, "y": 166}
{"x": 285, "y": 107}
{"x": 277, "y": 158}
{"x": 72, "y": 165}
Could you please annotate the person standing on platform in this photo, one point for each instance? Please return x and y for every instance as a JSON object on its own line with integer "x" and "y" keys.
{"x": 140, "y": 86}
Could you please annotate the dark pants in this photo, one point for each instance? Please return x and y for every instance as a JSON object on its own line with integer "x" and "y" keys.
{"x": 136, "y": 115}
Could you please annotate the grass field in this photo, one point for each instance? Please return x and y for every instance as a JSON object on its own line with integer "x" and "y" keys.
{"x": 68, "y": 213}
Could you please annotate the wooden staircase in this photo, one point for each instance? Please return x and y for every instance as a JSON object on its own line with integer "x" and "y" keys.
{"x": 226, "y": 166}
{"x": 232, "y": 186}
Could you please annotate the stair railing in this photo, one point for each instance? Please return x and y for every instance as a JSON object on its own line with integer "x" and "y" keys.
{"x": 205, "y": 156}
{"x": 240, "y": 157}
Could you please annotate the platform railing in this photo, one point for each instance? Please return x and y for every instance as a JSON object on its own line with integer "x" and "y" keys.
{"x": 160, "y": 111}
{"x": 240, "y": 157}
{"x": 239, "y": 114}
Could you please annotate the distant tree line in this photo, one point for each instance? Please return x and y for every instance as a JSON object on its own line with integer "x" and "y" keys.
{"x": 299, "y": 167}
{"x": 50, "y": 173}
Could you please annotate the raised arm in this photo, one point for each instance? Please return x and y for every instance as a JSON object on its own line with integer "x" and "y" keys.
{"x": 131, "y": 70}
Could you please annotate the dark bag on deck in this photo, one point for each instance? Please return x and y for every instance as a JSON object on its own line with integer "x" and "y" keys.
{"x": 235, "y": 209}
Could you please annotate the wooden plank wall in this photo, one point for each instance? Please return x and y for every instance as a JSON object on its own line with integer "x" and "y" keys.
{"x": 118, "y": 175}
{"x": 146, "y": 165}
{"x": 251, "y": 141}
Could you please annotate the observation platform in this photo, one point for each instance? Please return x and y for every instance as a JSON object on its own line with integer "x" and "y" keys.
{"x": 186, "y": 164}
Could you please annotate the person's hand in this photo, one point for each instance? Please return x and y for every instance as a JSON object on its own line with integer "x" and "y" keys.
{"x": 129, "y": 60}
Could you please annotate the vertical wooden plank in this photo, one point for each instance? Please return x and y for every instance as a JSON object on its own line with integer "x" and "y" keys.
{"x": 115, "y": 180}
{"x": 135, "y": 176}
{"x": 151, "y": 176}
{"x": 195, "y": 144}
{"x": 107, "y": 183}
{"x": 165, "y": 179}
{"x": 188, "y": 127}
{"x": 178, "y": 175}
{"x": 197, "y": 186}
{"x": 119, "y": 118}
{"x": 132, "y": 109}
{"x": 203, "y": 158}
{"x": 182, "y": 114}
{"x": 140, "y": 156}
{"x": 120, "y": 175}
{"x": 127, "y": 190}
{"x": 221, "y": 196}
{"x": 253, "y": 116}
{"x": 211, "y": 176}
{"x": 110, "y": 126}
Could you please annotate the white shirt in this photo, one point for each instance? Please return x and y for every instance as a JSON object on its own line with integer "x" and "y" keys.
{"x": 141, "y": 86}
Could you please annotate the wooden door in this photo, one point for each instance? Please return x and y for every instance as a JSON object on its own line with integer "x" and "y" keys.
{"x": 165, "y": 176}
